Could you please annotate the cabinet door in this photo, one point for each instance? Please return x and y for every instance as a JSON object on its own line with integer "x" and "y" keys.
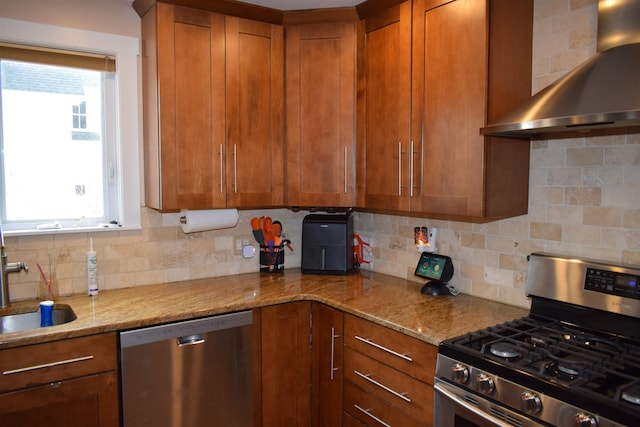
{"x": 384, "y": 110}
{"x": 183, "y": 155}
{"x": 320, "y": 87}
{"x": 472, "y": 61}
{"x": 326, "y": 367}
{"x": 81, "y": 402}
{"x": 286, "y": 360}
{"x": 449, "y": 83}
{"x": 254, "y": 102}
{"x": 62, "y": 383}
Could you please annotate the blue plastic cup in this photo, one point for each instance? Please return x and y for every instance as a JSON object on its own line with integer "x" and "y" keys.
{"x": 46, "y": 313}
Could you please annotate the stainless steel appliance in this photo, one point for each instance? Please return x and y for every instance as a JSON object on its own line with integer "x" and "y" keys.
{"x": 573, "y": 361}
{"x": 602, "y": 94}
{"x": 192, "y": 373}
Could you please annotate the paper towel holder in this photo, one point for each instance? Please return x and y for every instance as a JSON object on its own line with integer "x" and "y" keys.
{"x": 207, "y": 219}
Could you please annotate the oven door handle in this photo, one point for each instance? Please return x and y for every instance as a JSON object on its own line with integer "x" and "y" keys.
{"x": 442, "y": 388}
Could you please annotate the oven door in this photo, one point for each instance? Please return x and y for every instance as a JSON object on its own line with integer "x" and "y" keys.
{"x": 457, "y": 407}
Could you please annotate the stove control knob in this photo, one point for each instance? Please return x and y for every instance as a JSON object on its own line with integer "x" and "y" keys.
{"x": 460, "y": 373}
{"x": 585, "y": 420}
{"x": 485, "y": 384}
{"x": 530, "y": 402}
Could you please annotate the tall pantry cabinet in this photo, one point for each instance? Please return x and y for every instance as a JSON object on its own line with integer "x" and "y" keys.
{"x": 213, "y": 91}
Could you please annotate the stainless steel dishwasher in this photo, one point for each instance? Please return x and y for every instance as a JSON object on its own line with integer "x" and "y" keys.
{"x": 189, "y": 374}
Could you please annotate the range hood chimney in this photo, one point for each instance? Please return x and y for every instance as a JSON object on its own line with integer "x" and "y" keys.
{"x": 601, "y": 96}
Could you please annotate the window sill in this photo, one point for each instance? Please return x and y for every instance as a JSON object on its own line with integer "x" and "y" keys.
{"x": 67, "y": 230}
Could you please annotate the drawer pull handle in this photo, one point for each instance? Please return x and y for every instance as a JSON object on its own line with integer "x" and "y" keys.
{"x": 395, "y": 353}
{"x": 382, "y": 386}
{"x": 47, "y": 365}
{"x": 368, "y": 413}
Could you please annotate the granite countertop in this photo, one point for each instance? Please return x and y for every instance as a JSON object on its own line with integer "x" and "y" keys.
{"x": 386, "y": 300}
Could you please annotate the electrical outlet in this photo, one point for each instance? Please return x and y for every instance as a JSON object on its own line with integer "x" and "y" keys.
{"x": 245, "y": 242}
{"x": 239, "y": 245}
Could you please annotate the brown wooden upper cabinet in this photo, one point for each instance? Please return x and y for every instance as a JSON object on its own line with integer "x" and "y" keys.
{"x": 471, "y": 58}
{"x": 213, "y": 90}
{"x": 384, "y": 109}
{"x": 381, "y": 114}
{"x": 320, "y": 110}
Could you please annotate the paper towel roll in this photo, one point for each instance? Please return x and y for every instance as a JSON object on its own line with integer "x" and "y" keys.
{"x": 214, "y": 219}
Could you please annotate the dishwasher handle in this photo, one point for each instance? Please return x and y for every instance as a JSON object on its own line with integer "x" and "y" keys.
{"x": 190, "y": 340}
{"x": 186, "y": 329}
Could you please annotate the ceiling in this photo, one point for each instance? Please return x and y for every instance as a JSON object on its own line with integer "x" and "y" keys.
{"x": 303, "y": 4}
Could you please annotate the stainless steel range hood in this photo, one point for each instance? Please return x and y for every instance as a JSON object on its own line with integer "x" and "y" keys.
{"x": 600, "y": 96}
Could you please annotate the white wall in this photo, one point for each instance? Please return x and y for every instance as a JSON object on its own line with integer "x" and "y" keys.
{"x": 105, "y": 16}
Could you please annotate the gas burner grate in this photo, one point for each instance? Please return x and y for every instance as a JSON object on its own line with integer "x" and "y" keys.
{"x": 561, "y": 354}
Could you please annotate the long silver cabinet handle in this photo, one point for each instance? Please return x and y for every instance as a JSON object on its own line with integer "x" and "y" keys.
{"x": 399, "y": 168}
{"x": 411, "y": 169}
{"x": 235, "y": 169}
{"x": 368, "y": 413}
{"x": 346, "y": 170}
{"x": 221, "y": 170}
{"x": 388, "y": 350}
{"x": 47, "y": 365}
{"x": 382, "y": 386}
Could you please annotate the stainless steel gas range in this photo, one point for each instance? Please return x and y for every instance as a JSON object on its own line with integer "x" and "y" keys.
{"x": 573, "y": 361}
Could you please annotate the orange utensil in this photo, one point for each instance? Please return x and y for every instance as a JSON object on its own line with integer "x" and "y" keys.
{"x": 268, "y": 232}
{"x": 257, "y": 231}
{"x": 255, "y": 223}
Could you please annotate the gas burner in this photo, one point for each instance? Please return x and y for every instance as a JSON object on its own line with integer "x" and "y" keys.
{"x": 568, "y": 371}
{"x": 570, "y": 364}
{"x": 504, "y": 350}
{"x": 539, "y": 341}
{"x": 593, "y": 343}
{"x": 632, "y": 394}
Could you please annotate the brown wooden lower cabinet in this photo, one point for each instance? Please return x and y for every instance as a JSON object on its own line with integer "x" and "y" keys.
{"x": 388, "y": 376}
{"x": 63, "y": 383}
{"x": 373, "y": 411}
{"x": 286, "y": 363}
{"x": 407, "y": 394}
{"x": 321, "y": 367}
{"x": 326, "y": 368}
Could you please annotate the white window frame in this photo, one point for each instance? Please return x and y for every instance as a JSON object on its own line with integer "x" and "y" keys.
{"x": 126, "y": 50}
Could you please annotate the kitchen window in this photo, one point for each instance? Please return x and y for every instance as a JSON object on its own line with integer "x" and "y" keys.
{"x": 68, "y": 130}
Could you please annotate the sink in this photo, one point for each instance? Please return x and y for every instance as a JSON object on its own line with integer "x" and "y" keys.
{"x": 29, "y": 318}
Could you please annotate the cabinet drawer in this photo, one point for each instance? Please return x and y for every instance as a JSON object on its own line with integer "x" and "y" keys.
{"x": 397, "y": 389}
{"x": 371, "y": 411}
{"x": 406, "y": 354}
{"x": 56, "y": 361}
{"x": 80, "y": 402}
{"x": 349, "y": 421}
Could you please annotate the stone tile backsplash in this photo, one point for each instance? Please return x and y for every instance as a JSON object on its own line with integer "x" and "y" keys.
{"x": 584, "y": 200}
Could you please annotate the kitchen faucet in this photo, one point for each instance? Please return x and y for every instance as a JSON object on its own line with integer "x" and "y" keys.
{"x": 6, "y": 268}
